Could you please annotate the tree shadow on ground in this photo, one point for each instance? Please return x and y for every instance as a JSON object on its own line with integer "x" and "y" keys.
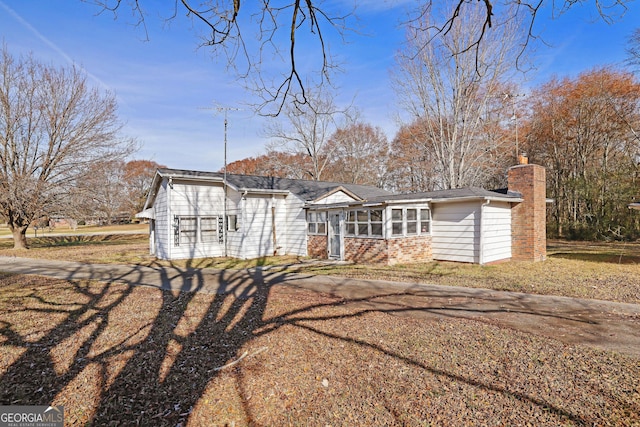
{"x": 127, "y": 355}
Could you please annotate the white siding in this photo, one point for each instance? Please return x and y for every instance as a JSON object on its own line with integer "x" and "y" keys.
{"x": 496, "y": 232}
{"x": 456, "y": 231}
{"x": 255, "y": 239}
{"x": 196, "y": 200}
{"x": 162, "y": 223}
{"x": 296, "y": 227}
{"x": 337, "y": 197}
{"x": 257, "y": 226}
{"x": 235, "y": 238}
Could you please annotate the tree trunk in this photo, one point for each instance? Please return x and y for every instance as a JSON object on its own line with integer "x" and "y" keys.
{"x": 19, "y": 237}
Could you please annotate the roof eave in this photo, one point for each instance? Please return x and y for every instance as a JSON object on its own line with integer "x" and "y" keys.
{"x": 153, "y": 191}
{"x": 485, "y": 198}
{"x": 263, "y": 191}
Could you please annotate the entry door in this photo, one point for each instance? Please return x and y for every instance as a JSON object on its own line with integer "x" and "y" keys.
{"x": 335, "y": 236}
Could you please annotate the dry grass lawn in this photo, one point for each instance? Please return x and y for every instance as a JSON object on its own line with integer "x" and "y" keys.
{"x": 607, "y": 271}
{"x": 121, "y": 355}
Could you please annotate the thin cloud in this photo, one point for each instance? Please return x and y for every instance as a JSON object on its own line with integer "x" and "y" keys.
{"x": 50, "y": 44}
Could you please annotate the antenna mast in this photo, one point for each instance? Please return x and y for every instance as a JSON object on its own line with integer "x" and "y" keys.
{"x": 225, "y": 216}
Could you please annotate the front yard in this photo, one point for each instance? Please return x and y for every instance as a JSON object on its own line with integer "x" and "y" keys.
{"x": 113, "y": 354}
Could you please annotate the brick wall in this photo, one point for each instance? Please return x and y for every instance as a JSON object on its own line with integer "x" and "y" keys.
{"x": 410, "y": 249}
{"x": 388, "y": 252}
{"x": 367, "y": 251}
{"x": 528, "y": 219}
{"x": 317, "y": 246}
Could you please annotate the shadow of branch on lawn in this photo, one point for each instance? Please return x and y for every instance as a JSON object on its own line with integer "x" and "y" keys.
{"x": 130, "y": 354}
{"x": 120, "y": 354}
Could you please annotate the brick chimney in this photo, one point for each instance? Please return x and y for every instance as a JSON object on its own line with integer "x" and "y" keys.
{"x": 528, "y": 219}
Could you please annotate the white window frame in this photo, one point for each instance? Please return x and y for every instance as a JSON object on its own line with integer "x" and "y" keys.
{"x": 415, "y": 226}
{"x": 210, "y": 234}
{"x": 208, "y": 229}
{"x": 357, "y": 226}
{"x": 317, "y": 223}
{"x": 186, "y": 234}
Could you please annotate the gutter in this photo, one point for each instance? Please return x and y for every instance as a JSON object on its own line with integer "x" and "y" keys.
{"x": 486, "y": 198}
{"x": 262, "y": 191}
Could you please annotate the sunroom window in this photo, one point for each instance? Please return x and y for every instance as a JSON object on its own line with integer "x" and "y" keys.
{"x": 364, "y": 223}
{"x": 410, "y": 221}
{"x": 317, "y": 223}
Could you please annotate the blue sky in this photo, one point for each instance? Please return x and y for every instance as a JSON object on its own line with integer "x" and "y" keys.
{"x": 164, "y": 84}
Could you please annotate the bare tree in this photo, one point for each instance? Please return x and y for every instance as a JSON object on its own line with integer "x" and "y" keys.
{"x": 307, "y": 131}
{"x": 138, "y": 176}
{"x": 53, "y": 126}
{"x": 102, "y": 196}
{"x": 493, "y": 13}
{"x": 450, "y": 93}
{"x": 411, "y": 164}
{"x": 360, "y": 153}
{"x": 633, "y": 50}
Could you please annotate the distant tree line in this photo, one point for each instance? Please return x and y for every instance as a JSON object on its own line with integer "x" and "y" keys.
{"x": 114, "y": 192}
{"x": 585, "y": 131}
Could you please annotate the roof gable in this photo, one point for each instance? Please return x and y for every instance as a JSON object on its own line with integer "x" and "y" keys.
{"x": 337, "y": 195}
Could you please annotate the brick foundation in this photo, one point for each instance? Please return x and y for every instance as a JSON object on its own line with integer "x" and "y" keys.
{"x": 366, "y": 251}
{"x": 317, "y": 247}
{"x": 410, "y": 249}
{"x": 388, "y": 251}
{"x": 528, "y": 219}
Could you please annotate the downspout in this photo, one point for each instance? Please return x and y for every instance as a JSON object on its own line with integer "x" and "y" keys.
{"x": 481, "y": 242}
{"x": 170, "y": 225}
{"x": 273, "y": 224}
{"x": 243, "y": 208}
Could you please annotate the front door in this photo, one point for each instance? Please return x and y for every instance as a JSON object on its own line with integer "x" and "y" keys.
{"x": 335, "y": 236}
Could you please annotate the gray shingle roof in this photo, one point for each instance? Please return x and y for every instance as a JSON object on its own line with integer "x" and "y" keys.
{"x": 454, "y": 193}
{"x": 305, "y": 189}
{"x": 311, "y": 190}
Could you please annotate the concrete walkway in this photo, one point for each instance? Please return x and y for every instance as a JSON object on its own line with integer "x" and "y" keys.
{"x": 600, "y": 324}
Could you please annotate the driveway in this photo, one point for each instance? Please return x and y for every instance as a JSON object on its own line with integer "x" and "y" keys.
{"x": 600, "y": 324}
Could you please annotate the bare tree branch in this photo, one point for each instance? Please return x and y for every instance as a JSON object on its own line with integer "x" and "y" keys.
{"x": 224, "y": 22}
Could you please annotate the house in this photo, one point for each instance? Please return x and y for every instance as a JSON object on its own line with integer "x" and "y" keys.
{"x": 201, "y": 214}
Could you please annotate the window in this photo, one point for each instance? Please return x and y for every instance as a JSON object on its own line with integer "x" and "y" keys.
{"x": 396, "y": 222}
{"x": 188, "y": 229}
{"x": 425, "y": 221}
{"x": 209, "y": 229}
{"x": 364, "y": 223}
{"x": 376, "y": 222}
{"x": 351, "y": 223}
{"x": 410, "y": 221}
{"x": 317, "y": 222}
{"x": 362, "y": 219}
{"x": 232, "y": 223}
